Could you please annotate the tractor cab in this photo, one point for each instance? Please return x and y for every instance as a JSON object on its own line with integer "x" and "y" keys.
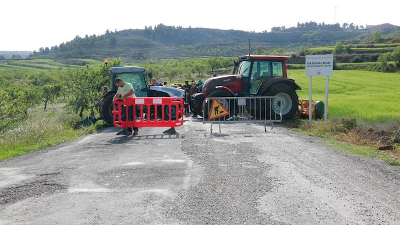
{"x": 132, "y": 75}
{"x": 257, "y": 70}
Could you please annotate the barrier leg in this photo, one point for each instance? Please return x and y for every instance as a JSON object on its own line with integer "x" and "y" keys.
{"x": 170, "y": 131}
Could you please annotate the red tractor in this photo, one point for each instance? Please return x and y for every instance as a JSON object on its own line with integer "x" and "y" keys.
{"x": 254, "y": 75}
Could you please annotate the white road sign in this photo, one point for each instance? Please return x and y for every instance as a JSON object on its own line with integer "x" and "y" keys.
{"x": 319, "y": 65}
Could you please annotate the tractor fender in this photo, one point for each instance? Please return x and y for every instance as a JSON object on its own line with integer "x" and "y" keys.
{"x": 265, "y": 87}
{"x": 225, "y": 89}
{"x": 105, "y": 96}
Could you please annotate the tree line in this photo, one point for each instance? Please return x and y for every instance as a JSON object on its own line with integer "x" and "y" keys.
{"x": 163, "y": 41}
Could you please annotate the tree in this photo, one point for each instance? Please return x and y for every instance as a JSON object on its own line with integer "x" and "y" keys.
{"x": 276, "y": 29}
{"x": 258, "y": 50}
{"x": 5, "y": 105}
{"x": 84, "y": 86}
{"x": 377, "y": 37}
{"x": 348, "y": 49}
{"x": 278, "y": 51}
{"x": 172, "y": 72}
{"x": 103, "y": 73}
{"x": 383, "y": 59}
{"x": 16, "y": 57}
{"x": 396, "y": 57}
{"x": 49, "y": 93}
{"x": 339, "y": 48}
{"x": 82, "y": 90}
{"x": 199, "y": 68}
{"x": 23, "y": 98}
{"x": 214, "y": 63}
{"x": 112, "y": 42}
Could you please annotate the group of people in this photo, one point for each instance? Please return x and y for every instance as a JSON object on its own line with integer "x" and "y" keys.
{"x": 154, "y": 82}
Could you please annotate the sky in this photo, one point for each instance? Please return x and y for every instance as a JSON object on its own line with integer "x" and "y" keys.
{"x": 27, "y": 25}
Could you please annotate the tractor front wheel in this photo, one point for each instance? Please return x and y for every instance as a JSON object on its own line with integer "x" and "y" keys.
{"x": 106, "y": 108}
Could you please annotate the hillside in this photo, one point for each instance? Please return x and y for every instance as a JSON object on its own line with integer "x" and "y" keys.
{"x": 173, "y": 42}
{"x": 14, "y": 54}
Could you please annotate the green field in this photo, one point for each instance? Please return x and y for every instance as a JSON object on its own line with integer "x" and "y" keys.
{"x": 357, "y": 49}
{"x": 46, "y": 64}
{"x": 370, "y": 96}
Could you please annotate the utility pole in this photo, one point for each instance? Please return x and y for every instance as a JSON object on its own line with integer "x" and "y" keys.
{"x": 335, "y": 14}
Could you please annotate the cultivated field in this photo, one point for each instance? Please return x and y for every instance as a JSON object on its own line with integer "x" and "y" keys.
{"x": 46, "y": 64}
{"x": 366, "y": 95}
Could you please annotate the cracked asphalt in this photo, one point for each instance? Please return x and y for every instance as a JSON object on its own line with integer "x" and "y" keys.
{"x": 241, "y": 176}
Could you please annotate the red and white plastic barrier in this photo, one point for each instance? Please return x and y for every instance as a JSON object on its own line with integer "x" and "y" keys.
{"x": 149, "y": 112}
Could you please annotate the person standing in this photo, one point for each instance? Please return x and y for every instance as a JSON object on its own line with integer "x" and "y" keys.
{"x": 125, "y": 90}
{"x": 153, "y": 82}
{"x": 186, "y": 86}
{"x": 193, "y": 90}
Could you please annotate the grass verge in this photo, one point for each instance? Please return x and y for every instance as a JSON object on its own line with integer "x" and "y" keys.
{"x": 365, "y": 152}
{"x": 377, "y": 141}
{"x": 41, "y": 129}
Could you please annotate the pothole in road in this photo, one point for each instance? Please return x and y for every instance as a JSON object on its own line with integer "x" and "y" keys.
{"x": 161, "y": 175}
{"x": 43, "y": 184}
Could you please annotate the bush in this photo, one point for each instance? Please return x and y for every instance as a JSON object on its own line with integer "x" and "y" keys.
{"x": 349, "y": 123}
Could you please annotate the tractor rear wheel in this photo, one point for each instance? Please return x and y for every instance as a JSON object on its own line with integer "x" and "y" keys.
{"x": 286, "y": 101}
{"x": 228, "y": 104}
{"x": 106, "y": 108}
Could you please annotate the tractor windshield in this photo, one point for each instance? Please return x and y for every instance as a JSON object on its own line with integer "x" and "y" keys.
{"x": 137, "y": 81}
{"x": 244, "y": 68}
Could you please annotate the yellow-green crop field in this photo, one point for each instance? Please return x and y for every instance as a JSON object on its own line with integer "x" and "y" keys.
{"x": 369, "y": 96}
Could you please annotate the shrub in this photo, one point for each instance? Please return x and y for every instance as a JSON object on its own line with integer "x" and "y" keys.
{"x": 349, "y": 123}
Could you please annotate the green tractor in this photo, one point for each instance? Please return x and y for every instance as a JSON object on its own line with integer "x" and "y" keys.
{"x": 137, "y": 77}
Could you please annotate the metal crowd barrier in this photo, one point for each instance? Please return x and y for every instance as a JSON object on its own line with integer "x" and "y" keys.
{"x": 224, "y": 110}
{"x": 148, "y": 112}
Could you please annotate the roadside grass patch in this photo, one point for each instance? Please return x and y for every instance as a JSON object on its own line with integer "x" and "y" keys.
{"x": 41, "y": 129}
{"x": 348, "y": 134}
{"x": 366, "y": 152}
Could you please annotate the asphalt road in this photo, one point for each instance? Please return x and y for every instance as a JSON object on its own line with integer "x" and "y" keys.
{"x": 242, "y": 176}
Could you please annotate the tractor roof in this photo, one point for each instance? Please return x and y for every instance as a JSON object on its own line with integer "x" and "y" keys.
{"x": 263, "y": 57}
{"x": 127, "y": 69}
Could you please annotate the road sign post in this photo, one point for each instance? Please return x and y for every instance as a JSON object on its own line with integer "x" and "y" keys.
{"x": 319, "y": 65}
{"x": 326, "y": 98}
{"x": 310, "y": 102}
